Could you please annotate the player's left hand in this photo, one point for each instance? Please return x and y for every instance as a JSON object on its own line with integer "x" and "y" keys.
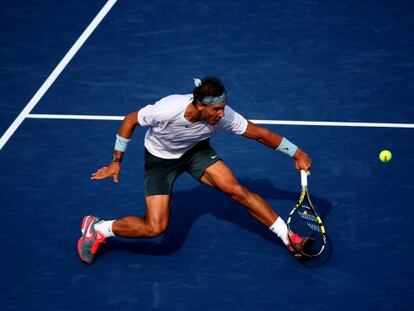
{"x": 302, "y": 161}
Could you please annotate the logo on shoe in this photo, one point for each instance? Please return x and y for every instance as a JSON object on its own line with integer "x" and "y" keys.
{"x": 89, "y": 232}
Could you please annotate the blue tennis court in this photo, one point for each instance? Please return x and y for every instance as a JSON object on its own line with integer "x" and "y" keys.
{"x": 334, "y": 77}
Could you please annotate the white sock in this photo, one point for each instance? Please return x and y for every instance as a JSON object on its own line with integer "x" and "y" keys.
{"x": 105, "y": 227}
{"x": 280, "y": 229}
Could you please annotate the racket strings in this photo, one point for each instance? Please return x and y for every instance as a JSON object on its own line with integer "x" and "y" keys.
{"x": 310, "y": 220}
{"x": 305, "y": 223}
{"x": 305, "y": 215}
{"x": 314, "y": 227}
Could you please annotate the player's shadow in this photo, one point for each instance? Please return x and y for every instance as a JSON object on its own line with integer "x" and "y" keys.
{"x": 188, "y": 206}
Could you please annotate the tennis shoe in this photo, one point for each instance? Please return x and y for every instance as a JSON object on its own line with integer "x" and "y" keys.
{"x": 297, "y": 244}
{"x": 91, "y": 240}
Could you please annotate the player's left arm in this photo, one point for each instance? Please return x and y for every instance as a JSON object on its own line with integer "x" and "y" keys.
{"x": 273, "y": 140}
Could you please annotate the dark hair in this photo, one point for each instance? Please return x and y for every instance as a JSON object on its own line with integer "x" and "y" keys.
{"x": 210, "y": 86}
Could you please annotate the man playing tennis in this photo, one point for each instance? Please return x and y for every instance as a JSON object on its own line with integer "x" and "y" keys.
{"x": 177, "y": 141}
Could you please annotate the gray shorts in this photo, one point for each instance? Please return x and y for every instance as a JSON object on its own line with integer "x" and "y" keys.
{"x": 160, "y": 174}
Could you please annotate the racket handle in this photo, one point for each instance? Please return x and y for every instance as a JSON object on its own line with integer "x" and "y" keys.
{"x": 304, "y": 178}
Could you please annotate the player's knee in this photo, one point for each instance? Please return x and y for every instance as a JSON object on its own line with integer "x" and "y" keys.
{"x": 156, "y": 229}
{"x": 238, "y": 192}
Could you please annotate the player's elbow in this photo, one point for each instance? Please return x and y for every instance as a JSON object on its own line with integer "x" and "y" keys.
{"x": 131, "y": 119}
{"x": 256, "y": 132}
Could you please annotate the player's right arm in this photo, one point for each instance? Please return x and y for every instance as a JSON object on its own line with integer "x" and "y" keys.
{"x": 127, "y": 129}
{"x": 114, "y": 168}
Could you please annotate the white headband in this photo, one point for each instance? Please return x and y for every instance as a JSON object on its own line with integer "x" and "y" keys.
{"x": 210, "y": 100}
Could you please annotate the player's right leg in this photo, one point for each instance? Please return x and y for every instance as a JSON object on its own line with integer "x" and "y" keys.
{"x": 160, "y": 175}
{"x": 153, "y": 224}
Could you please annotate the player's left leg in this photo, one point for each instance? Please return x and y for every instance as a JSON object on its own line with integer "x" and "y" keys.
{"x": 220, "y": 176}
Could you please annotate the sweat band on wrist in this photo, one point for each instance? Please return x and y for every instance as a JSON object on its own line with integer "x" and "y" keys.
{"x": 287, "y": 147}
{"x": 121, "y": 143}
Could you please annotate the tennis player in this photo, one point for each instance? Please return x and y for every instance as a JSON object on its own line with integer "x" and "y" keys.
{"x": 177, "y": 141}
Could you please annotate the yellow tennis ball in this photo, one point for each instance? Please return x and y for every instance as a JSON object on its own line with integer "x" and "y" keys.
{"x": 385, "y": 156}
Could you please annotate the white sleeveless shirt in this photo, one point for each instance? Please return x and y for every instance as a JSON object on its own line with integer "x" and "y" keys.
{"x": 170, "y": 135}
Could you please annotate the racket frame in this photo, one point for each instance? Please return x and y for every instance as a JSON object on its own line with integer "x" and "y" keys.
{"x": 305, "y": 195}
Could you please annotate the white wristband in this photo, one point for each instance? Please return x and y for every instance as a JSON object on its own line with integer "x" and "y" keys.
{"x": 287, "y": 147}
{"x": 121, "y": 143}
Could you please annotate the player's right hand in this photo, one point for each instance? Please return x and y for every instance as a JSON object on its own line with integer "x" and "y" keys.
{"x": 112, "y": 170}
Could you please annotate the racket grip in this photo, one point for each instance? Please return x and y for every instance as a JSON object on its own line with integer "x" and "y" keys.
{"x": 304, "y": 178}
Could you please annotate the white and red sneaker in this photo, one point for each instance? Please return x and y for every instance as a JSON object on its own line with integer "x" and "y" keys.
{"x": 91, "y": 239}
{"x": 297, "y": 244}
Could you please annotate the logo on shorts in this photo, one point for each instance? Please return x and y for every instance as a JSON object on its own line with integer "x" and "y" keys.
{"x": 214, "y": 156}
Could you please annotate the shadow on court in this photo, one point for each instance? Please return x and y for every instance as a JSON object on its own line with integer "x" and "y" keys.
{"x": 188, "y": 206}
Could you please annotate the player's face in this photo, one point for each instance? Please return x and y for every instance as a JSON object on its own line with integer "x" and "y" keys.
{"x": 212, "y": 114}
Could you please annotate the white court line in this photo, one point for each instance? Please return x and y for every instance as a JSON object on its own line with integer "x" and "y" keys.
{"x": 268, "y": 122}
{"x": 334, "y": 123}
{"x": 56, "y": 72}
{"x": 74, "y": 117}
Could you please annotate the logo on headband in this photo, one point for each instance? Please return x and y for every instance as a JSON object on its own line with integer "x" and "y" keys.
{"x": 211, "y": 100}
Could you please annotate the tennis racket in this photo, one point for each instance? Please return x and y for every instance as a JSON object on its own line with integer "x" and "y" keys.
{"x": 304, "y": 221}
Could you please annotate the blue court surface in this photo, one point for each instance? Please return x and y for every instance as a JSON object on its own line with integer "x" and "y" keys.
{"x": 347, "y": 62}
